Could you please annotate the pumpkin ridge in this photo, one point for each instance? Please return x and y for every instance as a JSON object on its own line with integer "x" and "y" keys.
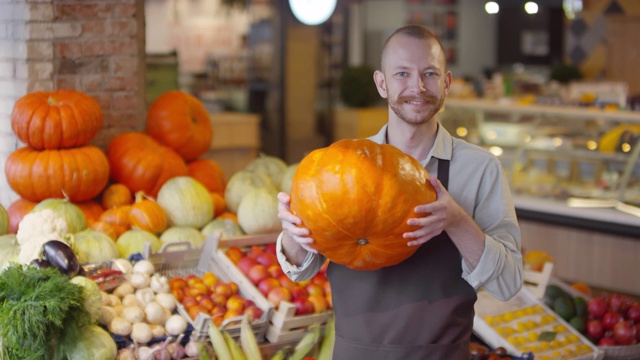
{"x": 39, "y": 128}
{"x": 323, "y": 206}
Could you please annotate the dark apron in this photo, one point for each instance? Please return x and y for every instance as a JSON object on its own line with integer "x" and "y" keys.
{"x": 419, "y": 309}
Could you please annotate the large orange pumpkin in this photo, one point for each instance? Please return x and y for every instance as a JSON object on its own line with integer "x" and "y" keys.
{"x": 78, "y": 174}
{"x": 141, "y": 164}
{"x": 355, "y": 197}
{"x": 58, "y": 119}
{"x": 209, "y": 173}
{"x": 180, "y": 121}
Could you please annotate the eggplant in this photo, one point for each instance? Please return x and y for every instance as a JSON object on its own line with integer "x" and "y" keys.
{"x": 40, "y": 264}
{"x": 60, "y": 256}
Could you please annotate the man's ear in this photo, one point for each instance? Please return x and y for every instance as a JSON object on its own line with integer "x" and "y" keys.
{"x": 447, "y": 82}
{"x": 381, "y": 85}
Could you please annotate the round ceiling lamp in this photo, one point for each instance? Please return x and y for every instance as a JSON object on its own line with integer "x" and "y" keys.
{"x": 531, "y": 7}
{"x": 312, "y": 12}
{"x": 491, "y": 7}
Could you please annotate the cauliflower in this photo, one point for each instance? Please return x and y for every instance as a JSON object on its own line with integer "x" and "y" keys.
{"x": 37, "y": 228}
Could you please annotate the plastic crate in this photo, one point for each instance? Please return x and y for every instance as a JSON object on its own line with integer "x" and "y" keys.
{"x": 284, "y": 325}
{"x": 179, "y": 259}
{"x": 531, "y": 315}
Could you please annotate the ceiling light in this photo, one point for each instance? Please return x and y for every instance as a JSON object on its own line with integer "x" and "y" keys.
{"x": 571, "y": 8}
{"x": 531, "y": 7}
{"x": 491, "y": 7}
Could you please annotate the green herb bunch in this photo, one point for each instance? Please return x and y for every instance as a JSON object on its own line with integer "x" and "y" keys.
{"x": 38, "y": 308}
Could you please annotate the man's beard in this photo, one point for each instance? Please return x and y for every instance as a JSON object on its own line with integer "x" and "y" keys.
{"x": 416, "y": 118}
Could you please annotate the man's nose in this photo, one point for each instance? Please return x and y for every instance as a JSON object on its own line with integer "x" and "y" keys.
{"x": 420, "y": 84}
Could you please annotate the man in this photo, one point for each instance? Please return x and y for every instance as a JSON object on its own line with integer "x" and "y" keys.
{"x": 421, "y": 308}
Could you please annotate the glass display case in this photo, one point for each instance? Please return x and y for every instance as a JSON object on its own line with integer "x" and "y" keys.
{"x": 566, "y": 165}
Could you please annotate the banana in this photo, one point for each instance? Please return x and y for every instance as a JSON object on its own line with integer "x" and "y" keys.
{"x": 307, "y": 343}
{"x": 217, "y": 340}
{"x": 329, "y": 338}
{"x": 234, "y": 348}
{"x": 248, "y": 341}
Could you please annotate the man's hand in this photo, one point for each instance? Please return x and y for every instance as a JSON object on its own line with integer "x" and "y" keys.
{"x": 290, "y": 222}
{"x": 444, "y": 212}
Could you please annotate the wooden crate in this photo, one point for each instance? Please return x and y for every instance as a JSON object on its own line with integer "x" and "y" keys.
{"x": 236, "y": 140}
{"x": 284, "y": 325}
{"x": 179, "y": 259}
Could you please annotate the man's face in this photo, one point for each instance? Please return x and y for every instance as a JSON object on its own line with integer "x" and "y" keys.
{"x": 413, "y": 78}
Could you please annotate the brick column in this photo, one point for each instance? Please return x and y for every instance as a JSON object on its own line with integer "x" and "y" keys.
{"x": 94, "y": 46}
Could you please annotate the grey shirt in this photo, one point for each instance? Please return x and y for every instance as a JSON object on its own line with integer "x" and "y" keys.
{"x": 478, "y": 184}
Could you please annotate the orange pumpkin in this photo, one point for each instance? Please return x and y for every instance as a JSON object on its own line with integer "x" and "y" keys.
{"x": 58, "y": 119}
{"x": 117, "y": 216}
{"x": 229, "y": 215}
{"x": 219, "y": 204}
{"x": 111, "y": 230}
{"x": 16, "y": 211}
{"x": 180, "y": 121}
{"x": 91, "y": 210}
{"x": 78, "y": 174}
{"x": 146, "y": 214}
{"x": 141, "y": 164}
{"x": 116, "y": 195}
{"x": 209, "y": 173}
{"x": 355, "y": 196}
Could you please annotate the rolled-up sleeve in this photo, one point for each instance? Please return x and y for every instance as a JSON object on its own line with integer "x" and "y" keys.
{"x": 309, "y": 267}
{"x": 499, "y": 270}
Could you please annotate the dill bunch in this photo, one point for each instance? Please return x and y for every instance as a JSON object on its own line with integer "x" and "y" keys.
{"x": 38, "y": 308}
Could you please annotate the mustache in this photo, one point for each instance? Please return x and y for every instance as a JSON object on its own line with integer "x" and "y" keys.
{"x": 430, "y": 99}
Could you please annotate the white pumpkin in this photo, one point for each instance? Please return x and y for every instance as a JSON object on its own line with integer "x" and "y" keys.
{"x": 133, "y": 241}
{"x": 183, "y": 233}
{"x": 4, "y": 221}
{"x": 271, "y": 166}
{"x": 258, "y": 212}
{"x": 287, "y": 178}
{"x": 227, "y": 228}
{"x": 93, "y": 247}
{"x": 186, "y": 202}
{"x": 72, "y": 214}
{"x": 9, "y": 250}
{"x": 241, "y": 183}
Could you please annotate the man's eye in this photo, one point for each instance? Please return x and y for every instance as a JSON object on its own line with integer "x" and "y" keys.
{"x": 429, "y": 74}
{"x": 402, "y": 74}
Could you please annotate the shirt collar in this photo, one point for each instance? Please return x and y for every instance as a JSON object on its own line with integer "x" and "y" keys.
{"x": 442, "y": 147}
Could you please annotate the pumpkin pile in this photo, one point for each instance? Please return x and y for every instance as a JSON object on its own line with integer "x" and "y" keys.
{"x": 57, "y": 162}
{"x": 153, "y": 186}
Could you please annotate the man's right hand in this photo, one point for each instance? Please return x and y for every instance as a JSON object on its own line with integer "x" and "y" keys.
{"x": 296, "y": 241}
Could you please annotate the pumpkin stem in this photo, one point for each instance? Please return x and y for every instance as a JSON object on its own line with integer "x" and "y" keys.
{"x": 140, "y": 195}
{"x": 51, "y": 101}
{"x": 363, "y": 241}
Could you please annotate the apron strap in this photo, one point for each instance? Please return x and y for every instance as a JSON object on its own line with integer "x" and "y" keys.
{"x": 443, "y": 172}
